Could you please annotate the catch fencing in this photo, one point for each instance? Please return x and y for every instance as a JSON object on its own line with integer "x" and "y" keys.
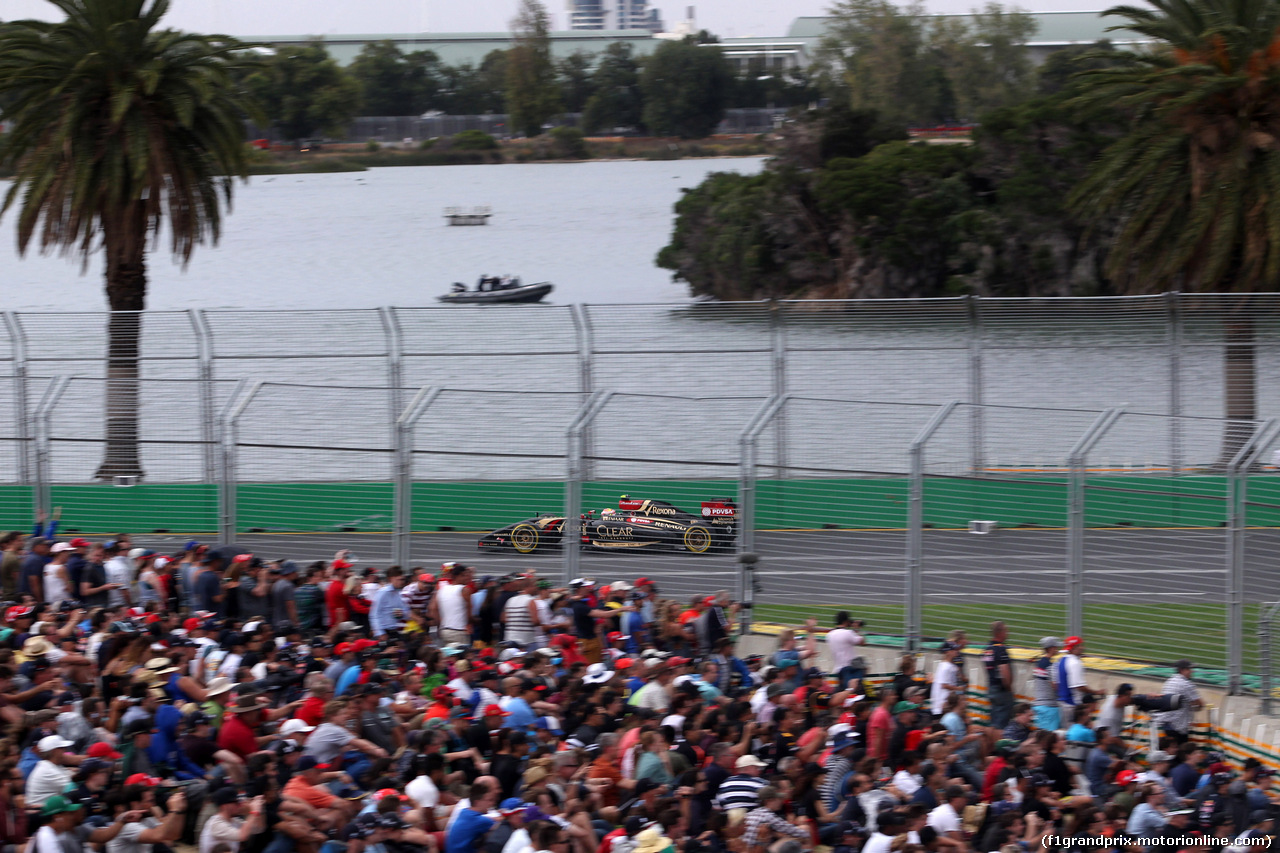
{"x": 859, "y": 440}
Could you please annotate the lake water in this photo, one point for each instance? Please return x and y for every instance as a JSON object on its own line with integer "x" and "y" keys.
{"x": 365, "y": 239}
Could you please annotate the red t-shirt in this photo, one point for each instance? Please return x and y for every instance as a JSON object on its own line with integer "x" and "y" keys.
{"x": 236, "y": 736}
{"x": 311, "y": 711}
{"x": 881, "y": 721}
{"x": 335, "y": 599}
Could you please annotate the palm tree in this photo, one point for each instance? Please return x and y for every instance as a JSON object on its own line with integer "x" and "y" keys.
{"x": 118, "y": 124}
{"x": 1193, "y": 186}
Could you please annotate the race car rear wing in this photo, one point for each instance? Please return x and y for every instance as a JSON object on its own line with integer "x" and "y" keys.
{"x": 720, "y": 509}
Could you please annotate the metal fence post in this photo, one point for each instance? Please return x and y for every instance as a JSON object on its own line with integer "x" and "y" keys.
{"x": 1075, "y": 516}
{"x": 583, "y": 333}
{"x": 395, "y": 365}
{"x": 572, "y": 535}
{"x": 977, "y": 442}
{"x": 778, "y": 342}
{"x": 204, "y": 369}
{"x": 18, "y": 338}
{"x": 231, "y": 413}
{"x": 41, "y": 496}
{"x": 1173, "y": 303}
{"x": 402, "y": 512}
{"x": 1237, "y": 487}
{"x": 1265, "y": 662}
{"x": 914, "y": 611}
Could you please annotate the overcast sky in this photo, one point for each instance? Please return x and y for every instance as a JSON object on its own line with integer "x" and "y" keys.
{"x": 733, "y": 18}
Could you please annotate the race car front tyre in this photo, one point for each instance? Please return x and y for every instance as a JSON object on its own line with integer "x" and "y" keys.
{"x": 524, "y": 538}
{"x": 697, "y": 540}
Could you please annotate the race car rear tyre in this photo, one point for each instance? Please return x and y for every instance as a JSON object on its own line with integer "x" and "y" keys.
{"x": 524, "y": 538}
{"x": 697, "y": 540}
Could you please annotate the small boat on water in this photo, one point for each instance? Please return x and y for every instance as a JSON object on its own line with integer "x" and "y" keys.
{"x": 492, "y": 290}
{"x": 465, "y": 216}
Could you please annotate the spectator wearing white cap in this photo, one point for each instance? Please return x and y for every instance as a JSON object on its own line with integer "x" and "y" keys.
{"x": 50, "y": 776}
{"x": 57, "y": 581}
{"x": 741, "y": 792}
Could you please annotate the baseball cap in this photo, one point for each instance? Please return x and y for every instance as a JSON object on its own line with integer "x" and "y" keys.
{"x": 748, "y": 761}
{"x": 1050, "y": 642}
{"x": 1126, "y": 777}
{"x": 59, "y": 547}
{"x": 582, "y": 582}
{"x": 307, "y": 762}
{"x": 511, "y": 805}
{"x": 813, "y": 672}
{"x": 92, "y": 765}
{"x": 49, "y": 743}
{"x": 80, "y": 542}
{"x": 58, "y": 804}
{"x": 623, "y": 663}
{"x": 18, "y": 612}
{"x": 459, "y": 712}
{"x": 143, "y": 779}
{"x": 1072, "y": 642}
{"x": 495, "y": 711}
{"x": 103, "y": 751}
{"x": 225, "y": 796}
{"x": 294, "y": 725}
{"x": 1158, "y": 755}
{"x": 643, "y": 582}
{"x": 905, "y": 706}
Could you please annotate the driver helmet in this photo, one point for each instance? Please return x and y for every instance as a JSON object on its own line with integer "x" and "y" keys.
{"x": 605, "y": 513}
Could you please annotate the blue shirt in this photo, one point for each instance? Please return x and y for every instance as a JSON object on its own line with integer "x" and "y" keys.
{"x": 1081, "y": 734}
{"x": 347, "y": 680}
{"x": 382, "y": 616}
{"x": 522, "y": 716}
{"x": 465, "y": 834}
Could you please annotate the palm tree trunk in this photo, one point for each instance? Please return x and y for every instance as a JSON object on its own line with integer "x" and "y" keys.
{"x": 126, "y": 296}
{"x": 1240, "y": 382}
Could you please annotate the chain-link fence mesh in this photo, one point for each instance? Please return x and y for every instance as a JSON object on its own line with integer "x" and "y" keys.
{"x": 280, "y": 429}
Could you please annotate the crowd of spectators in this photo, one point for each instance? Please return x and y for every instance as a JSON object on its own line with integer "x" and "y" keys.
{"x": 213, "y": 698}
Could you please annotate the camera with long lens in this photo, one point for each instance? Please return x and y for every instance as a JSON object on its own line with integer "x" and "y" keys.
{"x": 1155, "y": 703}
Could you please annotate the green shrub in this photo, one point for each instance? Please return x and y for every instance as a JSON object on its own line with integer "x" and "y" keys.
{"x": 372, "y": 145}
{"x": 569, "y": 143}
{"x": 474, "y": 140}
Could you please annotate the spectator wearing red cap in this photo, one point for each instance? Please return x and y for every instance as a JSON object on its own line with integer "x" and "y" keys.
{"x": 335, "y": 596}
{"x": 417, "y": 595}
{"x": 1070, "y": 677}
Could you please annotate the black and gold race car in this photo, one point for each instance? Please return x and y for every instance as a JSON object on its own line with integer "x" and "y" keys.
{"x": 636, "y": 525}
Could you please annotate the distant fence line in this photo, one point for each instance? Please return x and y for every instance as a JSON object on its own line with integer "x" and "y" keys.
{"x": 394, "y": 129}
{"x": 859, "y": 438}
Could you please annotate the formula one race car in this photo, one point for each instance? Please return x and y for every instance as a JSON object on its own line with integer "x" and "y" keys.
{"x": 635, "y": 525}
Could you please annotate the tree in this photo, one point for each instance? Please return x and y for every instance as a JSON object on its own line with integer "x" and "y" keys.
{"x": 533, "y": 95}
{"x": 304, "y": 92}
{"x": 394, "y": 84}
{"x": 882, "y": 57}
{"x": 576, "y": 86}
{"x": 466, "y": 89}
{"x": 616, "y": 100}
{"x": 686, "y": 88}
{"x": 987, "y": 63}
{"x": 1194, "y": 183}
{"x": 148, "y": 128}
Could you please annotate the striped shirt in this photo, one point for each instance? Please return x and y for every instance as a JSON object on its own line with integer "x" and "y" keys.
{"x": 519, "y": 624}
{"x": 740, "y": 792}
{"x": 416, "y": 597}
{"x": 760, "y": 819}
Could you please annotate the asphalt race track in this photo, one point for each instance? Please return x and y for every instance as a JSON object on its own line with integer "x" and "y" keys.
{"x": 1139, "y": 566}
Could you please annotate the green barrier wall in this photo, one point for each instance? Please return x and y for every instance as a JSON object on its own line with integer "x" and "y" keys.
{"x": 1193, "y": 501}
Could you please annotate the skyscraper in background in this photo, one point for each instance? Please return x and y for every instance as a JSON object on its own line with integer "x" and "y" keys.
{"x": 613, "y": 15}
